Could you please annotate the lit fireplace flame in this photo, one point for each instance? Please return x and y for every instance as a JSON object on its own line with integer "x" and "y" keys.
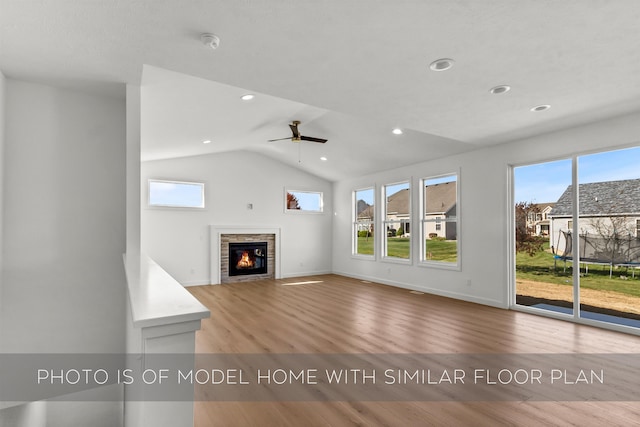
{"x": 245, "y": 261}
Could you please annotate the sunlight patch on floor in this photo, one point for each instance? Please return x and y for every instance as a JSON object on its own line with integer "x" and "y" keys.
{"x": 308, "y": 282}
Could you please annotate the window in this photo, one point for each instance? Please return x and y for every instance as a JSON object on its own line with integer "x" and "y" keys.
{"x": 176, "y": 194}
{"x": 535, "y": 185}
{"x": 397, "y": 218}
{"x": 439, "y": 221}
{"x": 303, "y": 201}
{"x": 363, "y": 221}
{"x": 590, "y": 274}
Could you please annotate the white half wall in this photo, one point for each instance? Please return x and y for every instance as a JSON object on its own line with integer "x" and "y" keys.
{"x": 179, "y": 239}
{"x": 484, "y": 213}
{"x": 64, "y": 221}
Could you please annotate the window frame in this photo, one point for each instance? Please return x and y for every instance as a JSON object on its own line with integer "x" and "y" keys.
{"x": 423, "y": 261}
{"x": 384, "y": 223}
{"x": 576, "y": 314}
{"x": 303, "y": 211}
{"x": 355, "y": 224}
{"x": 151, "y": 205}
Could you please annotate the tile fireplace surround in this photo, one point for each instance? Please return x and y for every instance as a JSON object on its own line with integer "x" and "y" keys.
{"x": 222, "y": 236}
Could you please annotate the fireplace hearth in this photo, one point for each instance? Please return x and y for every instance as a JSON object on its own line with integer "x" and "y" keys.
{"x": 247, "y": 258}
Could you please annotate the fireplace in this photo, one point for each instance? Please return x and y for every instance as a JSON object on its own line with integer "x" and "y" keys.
{"x": 247, "y": 258}
{"x": 222, "y": 256}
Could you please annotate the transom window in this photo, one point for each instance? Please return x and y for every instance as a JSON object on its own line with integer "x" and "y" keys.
{"x": 303, "y": 201}
{"x": 176, "y": 194}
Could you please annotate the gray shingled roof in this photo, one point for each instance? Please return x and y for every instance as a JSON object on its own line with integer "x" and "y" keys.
{"x": 602, "y": 198}
{"x": 399, "y": 202}
{"x": 440, "y": 198}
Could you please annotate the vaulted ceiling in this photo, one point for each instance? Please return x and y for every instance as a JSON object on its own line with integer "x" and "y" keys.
{"x": 350, "y": 71}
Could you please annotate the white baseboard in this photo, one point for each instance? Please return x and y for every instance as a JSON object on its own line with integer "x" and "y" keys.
{"x": 200, "y": 282}
{"x": 305, "y": 273}
{"x": 426, "y": 289}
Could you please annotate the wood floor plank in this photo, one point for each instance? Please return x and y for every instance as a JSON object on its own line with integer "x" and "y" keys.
{"x": 345, "y": 315}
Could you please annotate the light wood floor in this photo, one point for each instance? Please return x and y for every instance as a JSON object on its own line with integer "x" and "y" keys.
{"x": 343, "y": 315}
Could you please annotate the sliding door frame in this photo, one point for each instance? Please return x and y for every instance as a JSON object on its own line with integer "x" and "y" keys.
{"x": 511, "y": 256}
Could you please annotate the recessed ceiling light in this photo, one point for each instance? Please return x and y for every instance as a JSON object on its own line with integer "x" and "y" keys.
{"x": 247, "y": 97}
{"x": 497, "y": 90}
{"x": 323, "y": 158}
{"x": 441, "y": 64}
{"x": 210, "y": 40}
{"x": 206, "y": 141}
{"x": 541, "y": 107}
{"x": 397, "y": 131}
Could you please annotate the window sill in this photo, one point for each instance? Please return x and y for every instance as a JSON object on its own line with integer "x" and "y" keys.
{"x": 394, "y": 260}
{"x": 440, "y": 265}
{"x": 363, "y": 257}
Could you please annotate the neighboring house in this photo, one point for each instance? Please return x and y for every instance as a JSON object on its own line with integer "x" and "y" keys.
{"x": 441, "y": 204}
{"x": 398, "y": 210}
{"x": 365, "y": 216}
{"x": 538, "y": 219}
{"x": 609, "y": 225}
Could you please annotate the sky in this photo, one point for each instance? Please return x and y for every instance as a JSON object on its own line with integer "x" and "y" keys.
{"x": 166, "y": 193}
{"x": 366, "y": 195}
{"x": 545, "y": 182}
{"x": 309, "y": 201}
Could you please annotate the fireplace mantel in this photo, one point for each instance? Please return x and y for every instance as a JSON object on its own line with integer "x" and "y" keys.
{"x": 216, "y": 233}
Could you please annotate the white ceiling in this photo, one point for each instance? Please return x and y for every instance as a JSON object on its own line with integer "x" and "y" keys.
{"x": 349, "y": 70}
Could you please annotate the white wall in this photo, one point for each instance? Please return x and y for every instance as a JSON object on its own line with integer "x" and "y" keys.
{"x": 484, "y": 210}
{"x": 64, "y": 221}
{"x": 178, "y": 239}
{"x": 2, "y": 132}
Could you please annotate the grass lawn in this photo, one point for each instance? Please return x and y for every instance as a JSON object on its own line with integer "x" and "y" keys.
{"x": 399, "y": 247}
{"x": 365, "y": 245}
{"x": 540, "y": 268}
{"x": 442, "y": 250}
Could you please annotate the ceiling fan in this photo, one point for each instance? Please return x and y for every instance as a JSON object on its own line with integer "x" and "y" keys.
{"x": 296, "y": 135}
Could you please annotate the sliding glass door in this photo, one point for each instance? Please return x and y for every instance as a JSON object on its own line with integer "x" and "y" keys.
{"x": 608, "y": 239}
{"x": 577, "y": 236}
{"x": 542, "y": 279}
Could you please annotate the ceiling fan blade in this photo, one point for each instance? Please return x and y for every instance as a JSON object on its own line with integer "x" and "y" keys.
{"x": 295, "y": 131}
{"x": 312, "y": 139}
{"x": 279, "y": 139}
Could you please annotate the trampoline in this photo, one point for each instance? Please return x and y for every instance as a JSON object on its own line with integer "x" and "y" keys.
{"x": 615, "y": 251}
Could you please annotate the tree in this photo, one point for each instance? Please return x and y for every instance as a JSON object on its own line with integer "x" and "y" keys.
{"x": 612, "y": 238}
{"x": 292, "y": 201}
{"x": 526, "y": 239}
